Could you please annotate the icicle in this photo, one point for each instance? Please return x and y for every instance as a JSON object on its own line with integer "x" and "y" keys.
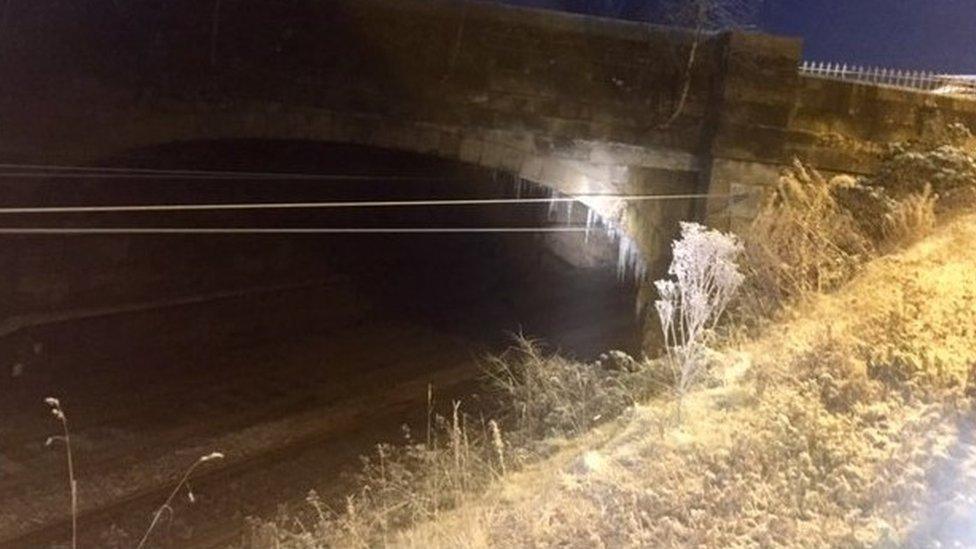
{"x": 590, "y": 221}
{"x": 569, "y": 211}
{"x": 551, "y": 214}
{"x": 518, "y": 187}
{"x": 621, "y": 259}
{"x": 629, "y": 262}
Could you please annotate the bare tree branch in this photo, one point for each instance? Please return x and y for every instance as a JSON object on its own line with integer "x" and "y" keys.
{"x": 456, "y": 50}
{"x": 703, "y": 16}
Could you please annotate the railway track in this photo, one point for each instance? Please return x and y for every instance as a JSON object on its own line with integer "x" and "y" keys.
{"x": 338, "y": 422}
{"x": 278, "y": 397}
{"x": 329, "y": 424}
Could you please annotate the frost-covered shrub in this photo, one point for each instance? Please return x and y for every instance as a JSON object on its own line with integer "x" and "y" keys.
{"x": 705, "y": 278}
{"x": 885, "y": 221}
{"x": 869, "y": 205}
{"x": 946, "y": 168}
{"x": 945, "y": 160}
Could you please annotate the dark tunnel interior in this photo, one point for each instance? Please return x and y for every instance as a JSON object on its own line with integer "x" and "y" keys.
{"x": 176, "y": 314}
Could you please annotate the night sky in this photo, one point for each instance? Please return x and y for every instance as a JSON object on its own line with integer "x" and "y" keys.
{"x": 935, "y": 35}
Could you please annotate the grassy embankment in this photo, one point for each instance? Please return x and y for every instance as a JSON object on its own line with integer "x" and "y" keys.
{"x": 838, "y": 409}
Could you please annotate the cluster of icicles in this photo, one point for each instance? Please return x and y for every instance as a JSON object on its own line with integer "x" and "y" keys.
{"x": 630, "y": 264}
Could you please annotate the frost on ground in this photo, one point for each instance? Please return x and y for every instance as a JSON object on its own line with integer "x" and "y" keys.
{"x": 850, "y": 425}
{"x": 844, "y": 420}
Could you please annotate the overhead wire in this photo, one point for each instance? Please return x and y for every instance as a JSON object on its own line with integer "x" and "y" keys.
{"x": 8, "y": 210}
{"x": 60, "y": 171}
{"x": 288, "y": 230}
{"x": 218, "y": 176}
{"x": 57, "y": 170}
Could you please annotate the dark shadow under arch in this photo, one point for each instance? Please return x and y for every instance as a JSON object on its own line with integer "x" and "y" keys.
{"x": 476, "y": 285}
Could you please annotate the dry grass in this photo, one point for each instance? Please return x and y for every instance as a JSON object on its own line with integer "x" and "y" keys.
{"x": 813, "y": 234}
{"x": 541, "y": 397}
{"x": 910, "y": 219}
{"x": 837, "y": 428}
{"x": 162, "y": 512}
{"x": 801, "y": 241}
{"x": 843, "y": 428}
{"x": 546, "y": 395}
{"x": 399, "y": 486}
{"x": 167, "y": 507}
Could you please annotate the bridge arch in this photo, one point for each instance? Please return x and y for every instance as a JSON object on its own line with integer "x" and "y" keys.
{"x": 580, "y": 274}
{"x": 570, "y": 167}
{"x": 566, "y": 167}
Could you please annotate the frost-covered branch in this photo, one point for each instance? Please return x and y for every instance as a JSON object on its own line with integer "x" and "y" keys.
{"x": 704, "y": 280}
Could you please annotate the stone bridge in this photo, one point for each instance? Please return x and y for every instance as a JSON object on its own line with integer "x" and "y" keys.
{"x": 577, "y": 104}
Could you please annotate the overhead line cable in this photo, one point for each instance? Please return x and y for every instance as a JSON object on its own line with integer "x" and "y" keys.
{"x": 75, "y": 171}
{"x": 218, "y": 176}
{"x": 287, "y": 230}
{"x": 350, "y": 204}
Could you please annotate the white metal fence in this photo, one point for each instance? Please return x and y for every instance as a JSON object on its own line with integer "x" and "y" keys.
{"x": 944, "y": 84}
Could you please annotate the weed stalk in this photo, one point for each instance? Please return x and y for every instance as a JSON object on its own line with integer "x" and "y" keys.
{"x": 167, "y": 505}
{"x": 58, "y": 413}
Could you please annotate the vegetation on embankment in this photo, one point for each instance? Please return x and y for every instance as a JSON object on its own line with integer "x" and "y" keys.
{"x": 843, "y": 418}
{"x": 848, "y": 425}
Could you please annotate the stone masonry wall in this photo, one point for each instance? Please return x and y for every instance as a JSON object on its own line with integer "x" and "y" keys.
{"x": 559, "y": 76}
{"x": 843, "y": 126}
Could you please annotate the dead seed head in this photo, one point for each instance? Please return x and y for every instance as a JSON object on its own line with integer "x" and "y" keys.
{"x": 211, "y": 457}
{"x": 51, "y": 401}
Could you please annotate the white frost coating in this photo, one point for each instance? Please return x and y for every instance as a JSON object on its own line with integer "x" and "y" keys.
{"x": 705, "y": 276}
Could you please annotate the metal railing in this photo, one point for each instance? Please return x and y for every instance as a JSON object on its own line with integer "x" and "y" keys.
{"x": 942, "y": 84}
